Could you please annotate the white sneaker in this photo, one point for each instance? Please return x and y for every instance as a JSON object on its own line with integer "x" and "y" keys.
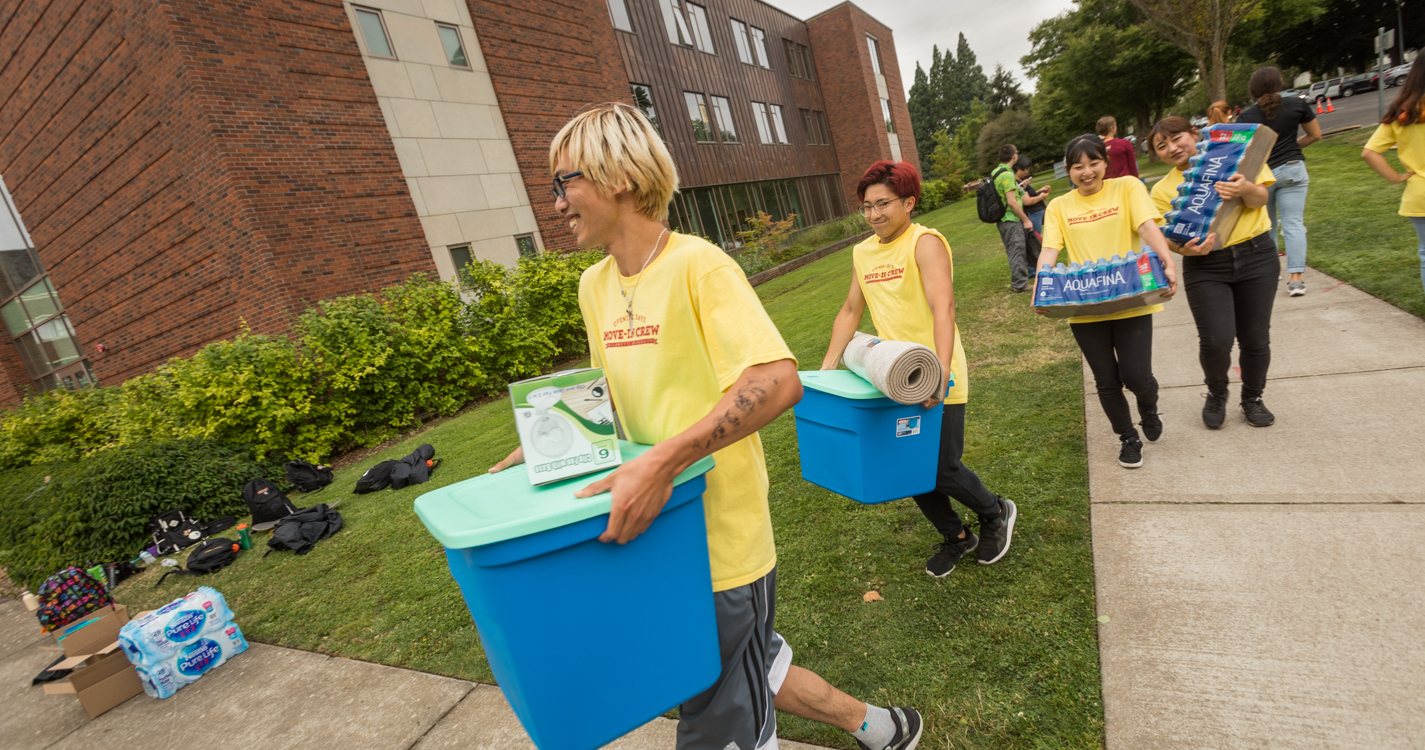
{"x": 1296, "y": 288}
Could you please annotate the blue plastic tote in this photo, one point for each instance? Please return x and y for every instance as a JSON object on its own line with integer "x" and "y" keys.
{"x": 588, "y": 640}
{"x": 856, "y": 442}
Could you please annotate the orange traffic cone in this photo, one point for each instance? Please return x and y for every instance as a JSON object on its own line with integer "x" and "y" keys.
{"x": 1319, "y": 110}
{"x": 1329, "y": 108}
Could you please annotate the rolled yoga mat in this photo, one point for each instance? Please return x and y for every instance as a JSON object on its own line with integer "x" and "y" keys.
{"x": 907, "y": 373}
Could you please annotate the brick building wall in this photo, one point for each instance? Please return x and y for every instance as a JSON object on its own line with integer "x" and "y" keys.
{"x": 547, "y": 60}
{"x": 186, "y": 167}
{"x": 852, "y": 93}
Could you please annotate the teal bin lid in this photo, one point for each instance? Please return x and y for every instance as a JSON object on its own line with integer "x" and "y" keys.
{"x": 843, "y": 383}
{"x": 495, "y": 507}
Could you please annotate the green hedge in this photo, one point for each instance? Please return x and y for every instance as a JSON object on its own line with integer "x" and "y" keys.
{"x": 353, "y": 372}
{"x": 97, "y": 510}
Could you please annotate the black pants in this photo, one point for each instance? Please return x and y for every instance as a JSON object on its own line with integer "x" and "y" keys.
{"x": 1231, "y": 292}
{"x": 1120, "y": 353}
{"x": 954, "y": 479}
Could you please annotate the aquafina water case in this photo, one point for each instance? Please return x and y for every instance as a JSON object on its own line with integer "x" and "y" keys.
{"x": 1198, "y": 201}
{"x": 1102, "y": 281}
{"x": 163, "y": 678}
{"x": 159, "y": 635}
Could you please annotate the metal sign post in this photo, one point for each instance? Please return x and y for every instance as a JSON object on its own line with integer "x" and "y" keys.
{"x": 1385, "y": 39}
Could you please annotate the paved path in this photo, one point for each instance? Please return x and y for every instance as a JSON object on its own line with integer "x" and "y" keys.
{"x": 273, "y": 698}
{"x": 1265, "y": 588}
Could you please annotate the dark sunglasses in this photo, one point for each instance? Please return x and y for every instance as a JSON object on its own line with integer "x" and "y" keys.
{"x": 559, "y": 181}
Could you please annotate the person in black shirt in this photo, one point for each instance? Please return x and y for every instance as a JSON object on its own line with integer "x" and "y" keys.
{"x": 1286, "y": 201}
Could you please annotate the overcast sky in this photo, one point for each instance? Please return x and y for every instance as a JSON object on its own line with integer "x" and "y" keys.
{"x": 998, "y": 31}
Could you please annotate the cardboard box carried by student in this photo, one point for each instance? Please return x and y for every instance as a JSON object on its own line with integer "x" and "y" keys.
{"x": 566, "y": 424}
{"x": 102, "y": 676}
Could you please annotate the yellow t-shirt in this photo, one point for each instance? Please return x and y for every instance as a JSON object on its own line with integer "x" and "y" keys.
{"x": 1100, "y": 226}
{"x": 890, "y": 279}
{"x": 1409, "y": 140}
{"x": 697, "y": 325}
{"x": 1251, "y": 223}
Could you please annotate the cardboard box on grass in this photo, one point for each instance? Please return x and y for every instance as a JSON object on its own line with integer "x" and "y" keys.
{"x": 566, "y": 424}
{"x": 102, "y": 676}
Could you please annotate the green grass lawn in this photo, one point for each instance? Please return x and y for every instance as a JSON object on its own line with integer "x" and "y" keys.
{"x": 994, "y": 656}
{"x": 1353, "y": 229}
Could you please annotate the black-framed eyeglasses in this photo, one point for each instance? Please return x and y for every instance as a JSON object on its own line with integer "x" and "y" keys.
{"x": 879, "y": 207}
{"x": 559, "y": 181}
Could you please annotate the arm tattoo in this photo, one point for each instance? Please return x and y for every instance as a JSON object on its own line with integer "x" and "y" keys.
{"x": 747, "y": 400}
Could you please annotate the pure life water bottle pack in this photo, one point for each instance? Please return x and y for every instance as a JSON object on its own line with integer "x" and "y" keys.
{"x": 182, "y": 641}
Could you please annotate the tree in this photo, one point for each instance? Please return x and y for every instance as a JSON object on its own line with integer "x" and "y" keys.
{"x": 1201, "y": 28}
{"x": 1014, "y": 126}
{"x": 941, "y": 98}
{"x": 1101, "y": 59}
{"x": 1323, "y": 35}
{"x": 1005, "y": 92}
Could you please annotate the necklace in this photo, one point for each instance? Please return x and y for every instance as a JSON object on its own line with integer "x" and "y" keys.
{"x": 629, "y": 297}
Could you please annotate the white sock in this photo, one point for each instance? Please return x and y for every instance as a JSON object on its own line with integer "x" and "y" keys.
{"x": 877, "y": 729}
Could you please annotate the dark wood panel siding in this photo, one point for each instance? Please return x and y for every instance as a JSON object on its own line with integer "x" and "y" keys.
{"x": 671, "y": 70}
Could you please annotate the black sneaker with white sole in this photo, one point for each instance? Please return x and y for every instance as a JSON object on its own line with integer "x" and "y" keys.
{"x": 1152, "y": 425}
{"x": 1130, "y": 455}
{"x": 996, "y": 533}
{"x": 908, "y": 729}
{"x": 1257, "y": 413}
{"x": 949, "y": 552}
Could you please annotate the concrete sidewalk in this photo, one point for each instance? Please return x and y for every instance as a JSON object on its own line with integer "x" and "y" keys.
{"x": 272, "y": 697}
{"x": 1266, "y": 587}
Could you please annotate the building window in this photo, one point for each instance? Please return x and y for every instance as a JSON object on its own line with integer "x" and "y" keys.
{"x": 698, "y": 113}
{"x": 687, "y": 24}
{"x": 525, "y": 243}
{"x": 764, "y": 129}
{"x": 886, "y": 113}
{"x": 454, "y": 50}
{"x": 799, "y": 60}
{"x": 460, "y": 256}
{"x": 875, "y": 53}
{"x": 777, "y": 124}
{"x": 643, "y": 98}
{"x": 739, "y": 37}
{"x": 618, "y": 13}
{"x": 759, "y": 46}
{"x": 817, "y": 132}
{"x": 373, "y": 30}
{"x": 32, "y": 313}
{"x": 722, "y": 109}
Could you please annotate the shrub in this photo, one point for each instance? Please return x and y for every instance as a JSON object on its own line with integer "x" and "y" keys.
{"x": 98, "y": 510}
{"x": 353, "y": 372}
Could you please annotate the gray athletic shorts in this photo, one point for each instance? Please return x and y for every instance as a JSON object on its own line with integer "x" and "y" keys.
{"x": 736, "y": 713}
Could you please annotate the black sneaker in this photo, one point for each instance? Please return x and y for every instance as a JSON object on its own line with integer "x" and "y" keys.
{"x": 949, "y": 552}
{"x": 1257, "y": 414}
{"x": 908, "y": 728}
{"x": 1130, "y": 456}
{"x": 995, "y": 533}
{"x": 1152, "y": 425}
{"x": 1214, "y": 412}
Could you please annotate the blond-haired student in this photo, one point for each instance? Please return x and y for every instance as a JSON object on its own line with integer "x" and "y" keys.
{"x": 695, "y": 367}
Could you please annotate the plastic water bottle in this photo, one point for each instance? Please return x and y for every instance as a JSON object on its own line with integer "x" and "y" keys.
{"x": 163, "y": 678}
{"x": 163, "y": 633}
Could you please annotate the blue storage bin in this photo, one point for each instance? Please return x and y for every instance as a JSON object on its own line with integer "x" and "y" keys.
{"x": 856, "y": 442}
{"x": 588, "y": 640}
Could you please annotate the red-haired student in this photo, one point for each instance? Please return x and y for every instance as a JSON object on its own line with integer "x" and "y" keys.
{"x": 915, "y": 302}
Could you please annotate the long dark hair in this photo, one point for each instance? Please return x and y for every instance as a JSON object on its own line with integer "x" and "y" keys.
{"x": 1405, "y": 110}
{"x": 1085, "y": 145}
{"x": 1265, "y": 86}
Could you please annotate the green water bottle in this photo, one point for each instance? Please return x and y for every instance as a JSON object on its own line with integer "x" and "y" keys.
{"x": 244, "y": 537}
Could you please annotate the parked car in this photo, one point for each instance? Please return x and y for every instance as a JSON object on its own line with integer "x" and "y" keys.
{"x": 1396, "y": 76}
{"x": 1323, "y": 90}
{"x": 1359, "y": 84}
{"x": 1294, "y": 92}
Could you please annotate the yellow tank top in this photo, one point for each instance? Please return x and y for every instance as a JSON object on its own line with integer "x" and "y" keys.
{"x": 890, "y": 281}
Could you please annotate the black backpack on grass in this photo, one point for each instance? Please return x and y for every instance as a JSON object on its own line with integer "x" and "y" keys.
{"x": 174, "y": 530}
{"x": 308, "y": 477}
{"x": 989, "y": 204}
{"x": 208, "y": 557}
{"x": 376, "y": 478}
{"x": 266, "y": 502}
